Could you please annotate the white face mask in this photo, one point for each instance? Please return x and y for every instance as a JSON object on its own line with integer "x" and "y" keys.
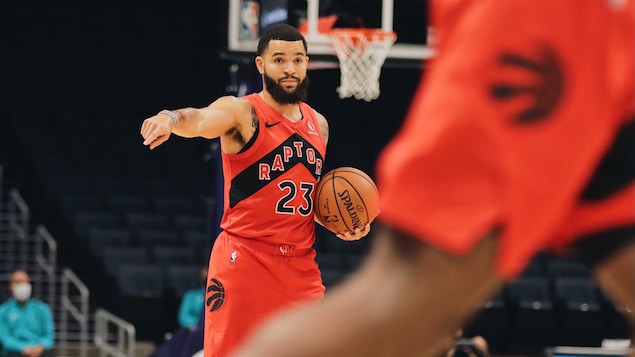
{"x": 22, "y": 291}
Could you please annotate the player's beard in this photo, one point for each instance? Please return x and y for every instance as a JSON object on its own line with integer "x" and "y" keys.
{"x": 283, "y": 96}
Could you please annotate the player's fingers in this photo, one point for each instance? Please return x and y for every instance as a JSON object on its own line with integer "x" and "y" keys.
{"x": 158, "y": 141}
{"x": 364, "y": 232}
{"x": 349, "y": 236}
{"x": 148, "y": 127}
{"x": 148, "y": 139}
{"x": 144, "y": 128}
{"x": 152, "y": 133}
{"x": 147, "y": 130}
{"x": 360, "y": 232}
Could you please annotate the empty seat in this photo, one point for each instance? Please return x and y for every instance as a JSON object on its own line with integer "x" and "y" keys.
{"x": 492, "y": 321}
{"x": 197, "y": 239}
{"x": 137, "y": 221}
{"x": 116, "y": 257}
{"x": 532, "y": 310}
{"x": 152, "y": 237}
{"x": 190, "y": 221}
{"x": 180, "y": 278}
{"x": 534, "y": 268}
{"x": 580, "y": 312}
{"x": 139, "y": 279}
{"x": 84, "y": 221}
{"x": 72, "y": 203}
{"x": 173, "y": 205}
{"x": 165, "y": 256}
{"x": 101, "y": 238}
{"x": 142, "y": 288}
{"x": 557, "y": 268}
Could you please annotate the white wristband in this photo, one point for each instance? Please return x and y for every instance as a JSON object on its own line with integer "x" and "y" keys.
{"x": 175, "y": 119}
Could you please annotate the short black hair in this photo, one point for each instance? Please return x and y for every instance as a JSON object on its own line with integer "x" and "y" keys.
{"x": 282, "y": 32}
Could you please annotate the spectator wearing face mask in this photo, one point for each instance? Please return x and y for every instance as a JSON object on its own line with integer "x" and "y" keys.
{"x": 26, "y": 324}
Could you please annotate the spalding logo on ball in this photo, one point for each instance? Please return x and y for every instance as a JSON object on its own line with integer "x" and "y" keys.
{"x": 346, "y": 198}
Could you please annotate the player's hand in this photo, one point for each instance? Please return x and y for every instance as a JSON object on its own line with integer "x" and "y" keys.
{"x": 357, "y": 235}
{"x": 156, "y": 130}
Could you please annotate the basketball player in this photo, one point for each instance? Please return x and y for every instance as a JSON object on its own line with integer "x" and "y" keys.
{"x": 273, "y": 148}
{"x": 520, "y": 139}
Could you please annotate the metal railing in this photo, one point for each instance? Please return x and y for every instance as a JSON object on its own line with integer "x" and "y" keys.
{"x": 125, "y": 343}
{"x": 46, "y": 260}
{"x": 79, "y": 313}
{"x": 18, "y": 223}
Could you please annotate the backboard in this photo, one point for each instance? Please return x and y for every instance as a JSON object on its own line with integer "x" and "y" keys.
{"x": 408, "y": 18}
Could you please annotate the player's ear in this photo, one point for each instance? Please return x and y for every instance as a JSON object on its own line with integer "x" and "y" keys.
{"x": 260, "y": 64}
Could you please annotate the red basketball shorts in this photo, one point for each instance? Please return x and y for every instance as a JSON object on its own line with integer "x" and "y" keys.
{"x": 249, "y": 280}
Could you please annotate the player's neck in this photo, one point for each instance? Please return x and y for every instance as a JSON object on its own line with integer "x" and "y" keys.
{"x": 289, "y": 111}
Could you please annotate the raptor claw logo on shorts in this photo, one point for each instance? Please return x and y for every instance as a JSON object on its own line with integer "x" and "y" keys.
{"x": 540, "y": 91}
{"x": 215, "y": 295}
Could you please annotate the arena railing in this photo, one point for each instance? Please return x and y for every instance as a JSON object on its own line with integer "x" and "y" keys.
{"x": 17, "y": 230}
{"x": 78, "y": 312}
{"x": 124, "y": 335}
{"x": 46, "y": 260}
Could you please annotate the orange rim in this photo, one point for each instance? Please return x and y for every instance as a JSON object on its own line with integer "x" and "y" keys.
{"x": 369, "y": 33}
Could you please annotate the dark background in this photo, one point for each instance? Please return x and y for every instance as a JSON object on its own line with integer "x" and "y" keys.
{"x": 78, "y": 78}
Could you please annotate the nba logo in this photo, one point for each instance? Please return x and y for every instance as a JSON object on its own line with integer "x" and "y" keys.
{"x": 249, "y": 13}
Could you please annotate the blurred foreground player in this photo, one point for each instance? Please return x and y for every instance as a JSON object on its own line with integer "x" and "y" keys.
{"x": 520, "y": 139}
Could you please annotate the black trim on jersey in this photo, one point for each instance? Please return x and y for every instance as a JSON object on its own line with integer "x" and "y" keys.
{"x": 617, "y": 168}
{"x": 246, "y": 183}
{"x": 251, "y": 141}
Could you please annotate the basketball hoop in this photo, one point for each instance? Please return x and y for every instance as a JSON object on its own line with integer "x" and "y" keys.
{"x": 361, "y": 53}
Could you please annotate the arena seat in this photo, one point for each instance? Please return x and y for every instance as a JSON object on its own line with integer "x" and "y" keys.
{"x": 169, "y": 255}
{"x": 142, "y": 300}
{"x": 101, "y": 238}
{"x": 533, "y": 319}
{"x": 579, "y": 312}
{"x": 148, "y": 237}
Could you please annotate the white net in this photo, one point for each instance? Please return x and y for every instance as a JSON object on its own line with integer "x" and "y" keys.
{"x": 361, "y": 53}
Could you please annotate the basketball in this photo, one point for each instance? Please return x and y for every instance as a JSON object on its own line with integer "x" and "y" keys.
{"x": 346, "y": 198}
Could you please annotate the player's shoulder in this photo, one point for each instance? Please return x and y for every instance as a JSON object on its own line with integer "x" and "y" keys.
{"x": 322, "y": 122}
{"x": 319, "y": 116}
{"x": 231, "y": 100}
{"x": 236, "y": 106}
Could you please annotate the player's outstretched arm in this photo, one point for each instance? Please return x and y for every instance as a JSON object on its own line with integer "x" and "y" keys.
{"x": 407, "y": 299}
{"x": 210, "y": 122}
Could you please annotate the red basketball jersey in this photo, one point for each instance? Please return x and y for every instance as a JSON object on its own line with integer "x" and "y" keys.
{"x": 270, "y": 186}
{"x": 510, "y": 125}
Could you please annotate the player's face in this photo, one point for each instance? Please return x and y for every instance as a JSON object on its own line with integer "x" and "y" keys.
{"x": 284, "y": 69}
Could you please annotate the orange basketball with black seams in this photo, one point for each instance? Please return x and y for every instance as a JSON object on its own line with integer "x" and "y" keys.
{"x": 346, "y": 198}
